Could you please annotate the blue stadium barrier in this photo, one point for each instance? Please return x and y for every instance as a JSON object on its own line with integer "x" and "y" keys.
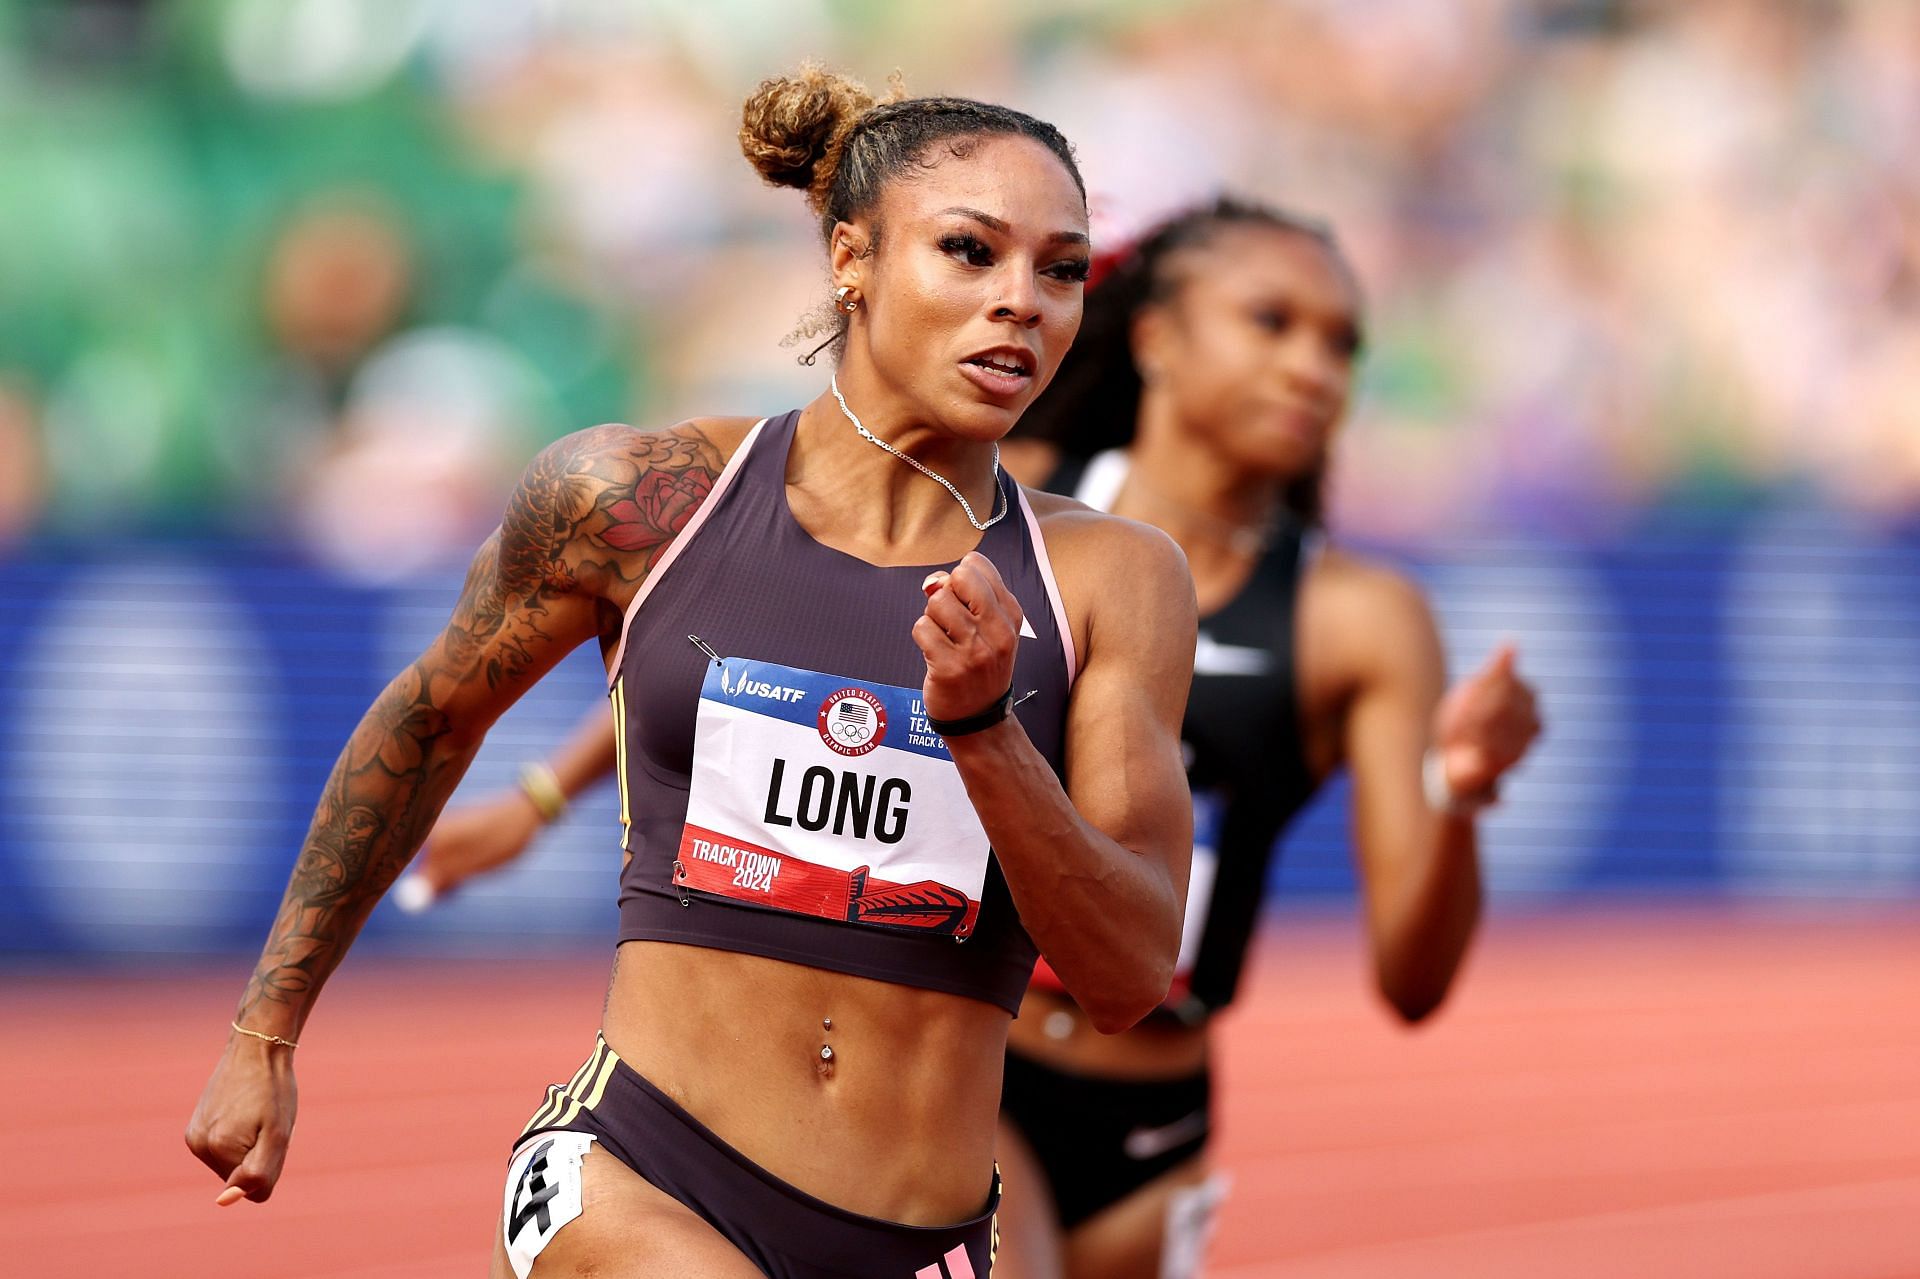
{"x": 1733, "y": 711}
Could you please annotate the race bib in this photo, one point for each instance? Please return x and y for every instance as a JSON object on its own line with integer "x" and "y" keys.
{"x": 823, "y": 796}
{"x": 543, "y": 1194}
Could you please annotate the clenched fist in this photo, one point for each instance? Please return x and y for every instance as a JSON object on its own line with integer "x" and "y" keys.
{"x": 241, "y": 1127}
{"x": 969, "y": 634}
{"x": 1484, "y": 725}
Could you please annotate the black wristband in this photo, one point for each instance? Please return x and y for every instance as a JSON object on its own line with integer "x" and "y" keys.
{"x": 1001, "y": 708}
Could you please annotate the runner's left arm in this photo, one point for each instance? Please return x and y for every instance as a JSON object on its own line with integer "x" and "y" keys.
{"x": 1419, "y": 867}
{"x": 1098, "y": 869}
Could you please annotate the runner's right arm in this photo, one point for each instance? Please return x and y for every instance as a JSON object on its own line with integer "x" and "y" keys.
{"x": 1098, "y": 866}
{"x": 585, "y": 523}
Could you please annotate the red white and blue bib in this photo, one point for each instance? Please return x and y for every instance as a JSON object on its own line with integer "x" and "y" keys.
{"x": 819, "y": 795}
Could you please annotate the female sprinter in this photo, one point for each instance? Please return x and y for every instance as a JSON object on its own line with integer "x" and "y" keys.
{"x": 843, "y": 843}
{"x": 1228, "y": 336}
{"x": 1223, "y": 346}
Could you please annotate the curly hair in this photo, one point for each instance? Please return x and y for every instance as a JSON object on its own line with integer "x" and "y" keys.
{"x": 829, "y": 136}
{"x": 1093, "y": 402}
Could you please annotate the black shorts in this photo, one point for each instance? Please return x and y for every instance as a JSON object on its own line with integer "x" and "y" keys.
{"x": 787, "y": 1233}
{"x": 1099, "y": 1140}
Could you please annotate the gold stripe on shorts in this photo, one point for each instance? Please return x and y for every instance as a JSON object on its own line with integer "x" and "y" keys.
{"x": 557, "y": 1096}
{"x": 587, "y": 1096}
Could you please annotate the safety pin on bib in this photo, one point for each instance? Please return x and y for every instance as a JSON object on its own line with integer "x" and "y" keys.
{"x": 680, "y": 867}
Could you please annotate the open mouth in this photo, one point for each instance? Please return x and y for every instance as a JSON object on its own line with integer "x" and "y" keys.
{"x": 1001, "y": 364}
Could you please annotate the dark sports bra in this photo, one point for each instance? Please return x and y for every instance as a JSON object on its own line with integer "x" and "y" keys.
{"x": 1245, "y": 762}
{"x": 781, "y": 792}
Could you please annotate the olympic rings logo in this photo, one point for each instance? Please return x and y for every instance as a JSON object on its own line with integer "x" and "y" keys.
{"x": 852, "y": 721}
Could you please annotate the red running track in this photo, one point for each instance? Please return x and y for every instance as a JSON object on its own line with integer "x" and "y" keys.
{"x": 1678, "y": 1093}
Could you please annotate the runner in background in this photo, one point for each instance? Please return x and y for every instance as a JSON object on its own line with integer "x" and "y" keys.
{"x": 1215, "y": 363}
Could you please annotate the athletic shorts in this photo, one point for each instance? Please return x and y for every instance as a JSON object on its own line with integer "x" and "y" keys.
{"x": 1099, "y": 1140}
{"x": 787, "y": 1233}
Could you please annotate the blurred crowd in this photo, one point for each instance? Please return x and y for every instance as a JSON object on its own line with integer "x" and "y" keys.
{"x": 332, "y": 269}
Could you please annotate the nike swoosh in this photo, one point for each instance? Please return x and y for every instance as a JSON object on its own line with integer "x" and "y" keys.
{"x": 1151, "y": 1143}
{"x": 1210, "y": 657}
{"x": 1026, "y": 630}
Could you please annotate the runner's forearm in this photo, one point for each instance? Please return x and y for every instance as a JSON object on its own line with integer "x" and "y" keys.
{"x": 1423, "y": 922}
{"x": 1107, "y": 918}
{"x": 388, "y": 785}
{"x": 587, "y": 756}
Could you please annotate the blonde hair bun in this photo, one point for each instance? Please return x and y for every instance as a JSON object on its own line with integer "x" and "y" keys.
{"x": 794, "y": 129}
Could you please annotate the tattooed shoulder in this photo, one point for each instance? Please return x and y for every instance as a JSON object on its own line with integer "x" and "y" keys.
{"x": 595, "y": 509}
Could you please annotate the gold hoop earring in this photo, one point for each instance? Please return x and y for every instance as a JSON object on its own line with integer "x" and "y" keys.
{"x": 843, "y": 299}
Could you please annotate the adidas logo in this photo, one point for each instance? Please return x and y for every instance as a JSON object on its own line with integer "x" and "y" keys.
{"x": 952, "y": 1266}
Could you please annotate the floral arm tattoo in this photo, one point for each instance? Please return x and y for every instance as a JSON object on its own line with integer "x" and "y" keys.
{"x": 585, "y": 524}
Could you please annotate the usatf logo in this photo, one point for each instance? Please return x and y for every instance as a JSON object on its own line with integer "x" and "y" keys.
{"x": 744, "y": 687}
{"x": 852, "y": 721}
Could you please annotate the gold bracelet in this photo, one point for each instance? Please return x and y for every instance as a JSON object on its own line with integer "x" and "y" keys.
{"x": 272, "y": 1039}
{"x": 538, "y": 784}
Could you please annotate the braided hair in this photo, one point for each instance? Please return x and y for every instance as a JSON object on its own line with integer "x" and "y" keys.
{"x": 1093, "y": 402}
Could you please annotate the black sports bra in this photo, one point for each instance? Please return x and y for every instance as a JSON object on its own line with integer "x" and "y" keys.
{"x": 781, "y": 792}
{"x": 1245, "y": 761}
